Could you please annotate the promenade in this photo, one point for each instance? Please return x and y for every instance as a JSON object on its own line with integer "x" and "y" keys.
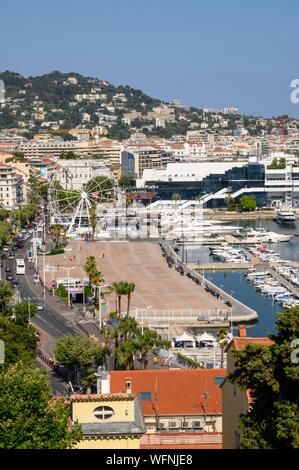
{"x": 158, "y": 288}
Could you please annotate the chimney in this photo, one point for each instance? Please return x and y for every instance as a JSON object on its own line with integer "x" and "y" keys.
{"x": 103, "y": 381}
{"x": 128, "y": 386}
{"x": 242, "y": 331}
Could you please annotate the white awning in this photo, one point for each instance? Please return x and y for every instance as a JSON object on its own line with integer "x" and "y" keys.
{"x": 205, "y": 337}
{"x": 185, "y": 337}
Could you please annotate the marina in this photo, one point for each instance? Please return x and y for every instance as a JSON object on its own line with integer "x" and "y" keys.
{"x": 279, "y": 260}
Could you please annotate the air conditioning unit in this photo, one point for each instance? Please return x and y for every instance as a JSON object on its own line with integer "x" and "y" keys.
{"x": 198, "y": 424}
{"x": 187, "y": 424}
{"x": 162, "y": 425}
{"x": 174, "y": 424}
{"x": 210, "y": 419}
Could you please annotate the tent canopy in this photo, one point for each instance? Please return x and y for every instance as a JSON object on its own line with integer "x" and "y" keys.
{"x": 185, "y": 337}
{"x": 205, "y": 337}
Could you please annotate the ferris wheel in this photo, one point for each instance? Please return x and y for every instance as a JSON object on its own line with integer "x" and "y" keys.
{"x": 72, "y": 208}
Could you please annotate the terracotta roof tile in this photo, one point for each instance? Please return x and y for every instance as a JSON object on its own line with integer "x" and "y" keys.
{"x": 175, "y": 391}
{"x": 241, "y": 343}
{"x": 105, "y": 397}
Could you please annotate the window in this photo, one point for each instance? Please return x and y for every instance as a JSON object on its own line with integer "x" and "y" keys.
{"x": 128, "y": 383}
{"x": 146, "y": 396}
{"x": 218, "y": 380}
{"x": 103, "y": 412}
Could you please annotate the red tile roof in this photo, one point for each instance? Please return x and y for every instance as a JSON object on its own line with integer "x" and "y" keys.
{"x": 103, "y": 397}
{"x": 241, "y": 343}
{"x": 178, "y": 392}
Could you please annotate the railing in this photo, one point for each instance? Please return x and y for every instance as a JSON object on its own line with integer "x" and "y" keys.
{"x": 50, "y": 362}
{"x": 184, "y": 439}
{"x": 243, "y": 310}
{"x": 207, "y": 315}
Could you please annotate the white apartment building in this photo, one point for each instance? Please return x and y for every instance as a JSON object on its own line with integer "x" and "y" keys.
{"x": 73, "y": 174}
{"x": 11, "y": 189}
{"x": 105, "y": 148}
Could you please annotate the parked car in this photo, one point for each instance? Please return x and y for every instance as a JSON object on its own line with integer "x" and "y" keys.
{"x": 7, "y": 269}
{"x": 8, "y": 277}
{"x": 11, "y": 256}
{"x": 5, "y": 248}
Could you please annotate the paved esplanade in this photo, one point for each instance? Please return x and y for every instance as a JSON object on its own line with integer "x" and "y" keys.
{"x": 157, "y": 286}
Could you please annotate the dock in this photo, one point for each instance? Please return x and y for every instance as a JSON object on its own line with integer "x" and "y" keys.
{"x": 239, "y": 312}
{"x": 162, "y": 296}
{"x": 220, "y": 266}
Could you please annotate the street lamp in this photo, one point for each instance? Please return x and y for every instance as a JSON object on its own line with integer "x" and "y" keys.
{"x": 142, "y": 323}
{"x": 68, "y": 282}
{"x": 231, "y": 315}
{"x": 100, "y": 303}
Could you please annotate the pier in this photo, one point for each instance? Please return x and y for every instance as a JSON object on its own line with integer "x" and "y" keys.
{"x": 239, "y": 312}
{"x": 220, "y": 266}
{"x": 163, "y": 297}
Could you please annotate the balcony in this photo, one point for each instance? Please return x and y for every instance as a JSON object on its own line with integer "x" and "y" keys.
{"x": 180, "y": 439}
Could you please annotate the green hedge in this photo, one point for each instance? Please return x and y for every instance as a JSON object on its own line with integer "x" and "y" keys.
{"x": 190, "y": 361}
{"x": 56, "y": 251}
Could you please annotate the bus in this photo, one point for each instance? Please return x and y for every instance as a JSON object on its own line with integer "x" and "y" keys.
{"x": 20, "y": 266}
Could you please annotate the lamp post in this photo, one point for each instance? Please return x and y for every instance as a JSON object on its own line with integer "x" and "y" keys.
{"x": 44, "y": 277}
{"x": 231, "y": 315}
{"x": 68, "y": 283}
{"x": 142, "y": 323}
{"x": 28, "y": 312}
{"x": 100, "y": 303}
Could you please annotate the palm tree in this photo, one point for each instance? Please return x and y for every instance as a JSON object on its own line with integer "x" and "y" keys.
{"x": 130, "y": 287}
{"x": 120, "y": 289}
{"x": 93, "y": 220}
{"x": 97, "y": 279}
{"x": 128, "y": 328}
{"x": 147, "y": 342}
{"x": 125, "y": 353}
{"x": 107, "y": 334}
{"x": 222, "y": 340}
{"x": 90, "y": 267}
{"x": 57, "y": 231}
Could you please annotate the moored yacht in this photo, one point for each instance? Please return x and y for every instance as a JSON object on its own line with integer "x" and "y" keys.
{"x": 285, "y": 217}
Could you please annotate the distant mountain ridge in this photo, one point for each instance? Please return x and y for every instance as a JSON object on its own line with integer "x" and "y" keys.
{"x": 59, "y": 101}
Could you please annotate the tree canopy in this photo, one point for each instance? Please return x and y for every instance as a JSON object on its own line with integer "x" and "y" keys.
{"x": 271, "y": 374}
{"x": 80, "y": 355}
{"x": 28, "y": 417}
{"x": 247, "y": 204}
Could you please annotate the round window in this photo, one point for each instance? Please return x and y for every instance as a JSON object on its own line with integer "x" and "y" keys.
{"x": 103, "y": 412}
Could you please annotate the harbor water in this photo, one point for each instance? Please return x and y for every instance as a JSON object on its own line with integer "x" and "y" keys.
{"x": 235, "y": 283}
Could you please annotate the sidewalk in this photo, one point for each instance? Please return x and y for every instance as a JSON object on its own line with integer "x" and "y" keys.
{"x": 50, "y": 300}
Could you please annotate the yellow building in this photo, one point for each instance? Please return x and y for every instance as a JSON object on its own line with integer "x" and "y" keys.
{"x": 108, "y": 421}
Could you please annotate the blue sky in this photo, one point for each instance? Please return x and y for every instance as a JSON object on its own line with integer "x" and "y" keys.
{"x": 206, "y": 53}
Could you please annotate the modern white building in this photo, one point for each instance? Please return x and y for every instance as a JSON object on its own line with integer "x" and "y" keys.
{"x": 179, "y": 172}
